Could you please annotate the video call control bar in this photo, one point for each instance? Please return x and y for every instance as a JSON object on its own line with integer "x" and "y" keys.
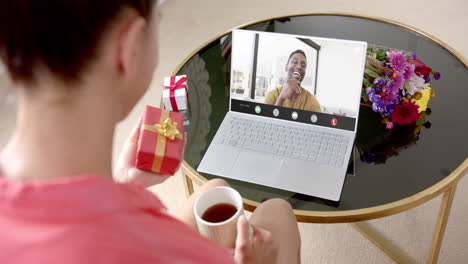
{"x": 295, "y": 115}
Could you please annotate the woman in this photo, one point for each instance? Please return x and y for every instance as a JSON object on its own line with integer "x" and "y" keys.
{"x": 79, "y": 67}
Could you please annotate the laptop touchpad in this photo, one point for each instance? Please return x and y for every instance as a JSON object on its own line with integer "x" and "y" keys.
{"x": 257, "y": 167}
{"x": 219, "y": 160}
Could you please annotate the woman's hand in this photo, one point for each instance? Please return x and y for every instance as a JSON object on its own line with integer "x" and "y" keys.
{"x": 258, "y": 249}
{"x": 125, "y": 170}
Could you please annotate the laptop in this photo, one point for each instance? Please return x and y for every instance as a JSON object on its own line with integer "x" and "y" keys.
{"x": 293, "y": 112}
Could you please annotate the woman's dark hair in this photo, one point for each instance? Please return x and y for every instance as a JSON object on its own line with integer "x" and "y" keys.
{"x": 61, "y": 35}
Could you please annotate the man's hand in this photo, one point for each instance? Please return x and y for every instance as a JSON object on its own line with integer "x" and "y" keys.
{"x": 291, "y": 90}
{"x": 125, "y": 170}
{"x": 258, "y": 249}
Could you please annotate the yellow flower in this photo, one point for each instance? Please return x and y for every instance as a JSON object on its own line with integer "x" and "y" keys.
{"x": 422, "y": 98}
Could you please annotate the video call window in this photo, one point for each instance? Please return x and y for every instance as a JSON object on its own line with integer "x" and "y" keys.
{"x": 311, "y": 74}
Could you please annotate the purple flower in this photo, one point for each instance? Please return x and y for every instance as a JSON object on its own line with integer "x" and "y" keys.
{"x": 389, "y": 73}
{"x": 383, "y": 63}
{"x": 390, "y": 107}
{"x": 397, "y": 60}
{"x": 383, "y": 102}
{"x": 398, "y": 82}
{"x": 427, "y": 79}
{"x": 408, "y": 71}
{"x": 376, "y": 98}
{"x": 391, "y": 92}
{"x": 436, "y": 75}
{"x": 373, "y": 95}
{"x": 391, "y": 97}
{"x": 413, "y": 55}
{"x": 380, "y": 81}
{"x": 388, "y": 112}
{"x": 381, "y": 108}
{"x": 375, "y": 107}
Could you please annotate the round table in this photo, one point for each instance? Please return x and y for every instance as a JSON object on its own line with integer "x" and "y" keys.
{"x": 414, "y": 172}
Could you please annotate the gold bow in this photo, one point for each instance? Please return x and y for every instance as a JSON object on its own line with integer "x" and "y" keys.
{"x": 168, "y": 129}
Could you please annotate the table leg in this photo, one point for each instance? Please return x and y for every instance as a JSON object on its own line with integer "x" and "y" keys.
{"x": 188, "y": 184}
{"x": 387, "y": 246}
{"x": 394, "y": 252}
{"x": 441, "y": 224}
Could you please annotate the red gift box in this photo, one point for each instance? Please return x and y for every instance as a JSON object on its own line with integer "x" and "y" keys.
{"x": 161, "y": 142}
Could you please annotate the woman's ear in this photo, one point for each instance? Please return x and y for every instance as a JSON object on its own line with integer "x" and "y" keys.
{"x": 130, "y": 35}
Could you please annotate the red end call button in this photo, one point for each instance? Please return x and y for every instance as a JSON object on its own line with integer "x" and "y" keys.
{"x": 334, "y": 122}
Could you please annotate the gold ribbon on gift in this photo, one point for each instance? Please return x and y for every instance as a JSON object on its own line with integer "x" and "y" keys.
{"x": 166, "y": 129}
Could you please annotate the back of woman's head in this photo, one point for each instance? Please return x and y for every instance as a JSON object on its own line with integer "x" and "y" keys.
{"x": 60, "y": 35}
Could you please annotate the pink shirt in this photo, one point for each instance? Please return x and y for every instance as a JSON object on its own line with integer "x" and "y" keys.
{"x": 91, "y": 219}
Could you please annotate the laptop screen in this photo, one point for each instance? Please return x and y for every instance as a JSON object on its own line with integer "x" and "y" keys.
{"x": 297, "y": 78}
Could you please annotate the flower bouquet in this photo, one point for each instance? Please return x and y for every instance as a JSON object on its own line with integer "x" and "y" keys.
{"x": 395, "y": 95}
{"x": 396, "y": 85}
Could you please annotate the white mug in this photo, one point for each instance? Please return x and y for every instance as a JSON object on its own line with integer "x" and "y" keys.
{"x": 224, "y": 233}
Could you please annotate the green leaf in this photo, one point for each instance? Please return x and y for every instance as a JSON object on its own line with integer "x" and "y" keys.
{"x": 381, "y": 54}
{"x": 367, "y": 83}
{"x": 371, "y": 73}
{"x": 406, "y": 86}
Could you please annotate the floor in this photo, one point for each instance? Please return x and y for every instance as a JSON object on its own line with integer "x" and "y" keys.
{"x": 187, "y": 24}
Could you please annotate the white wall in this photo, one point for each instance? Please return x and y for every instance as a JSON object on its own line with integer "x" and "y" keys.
{"x": 340, "y": 74}
{"x": 241, "y": 62}
{"x": 243, "y": 43}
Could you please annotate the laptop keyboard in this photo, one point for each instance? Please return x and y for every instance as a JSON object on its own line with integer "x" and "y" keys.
{"x": 298, "y": 143}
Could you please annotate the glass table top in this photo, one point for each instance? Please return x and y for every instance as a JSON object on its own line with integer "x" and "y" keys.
{"x": 384, "y": 167}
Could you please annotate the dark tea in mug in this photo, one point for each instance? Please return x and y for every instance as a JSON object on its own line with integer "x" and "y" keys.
{"x": 219, "y": 212}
